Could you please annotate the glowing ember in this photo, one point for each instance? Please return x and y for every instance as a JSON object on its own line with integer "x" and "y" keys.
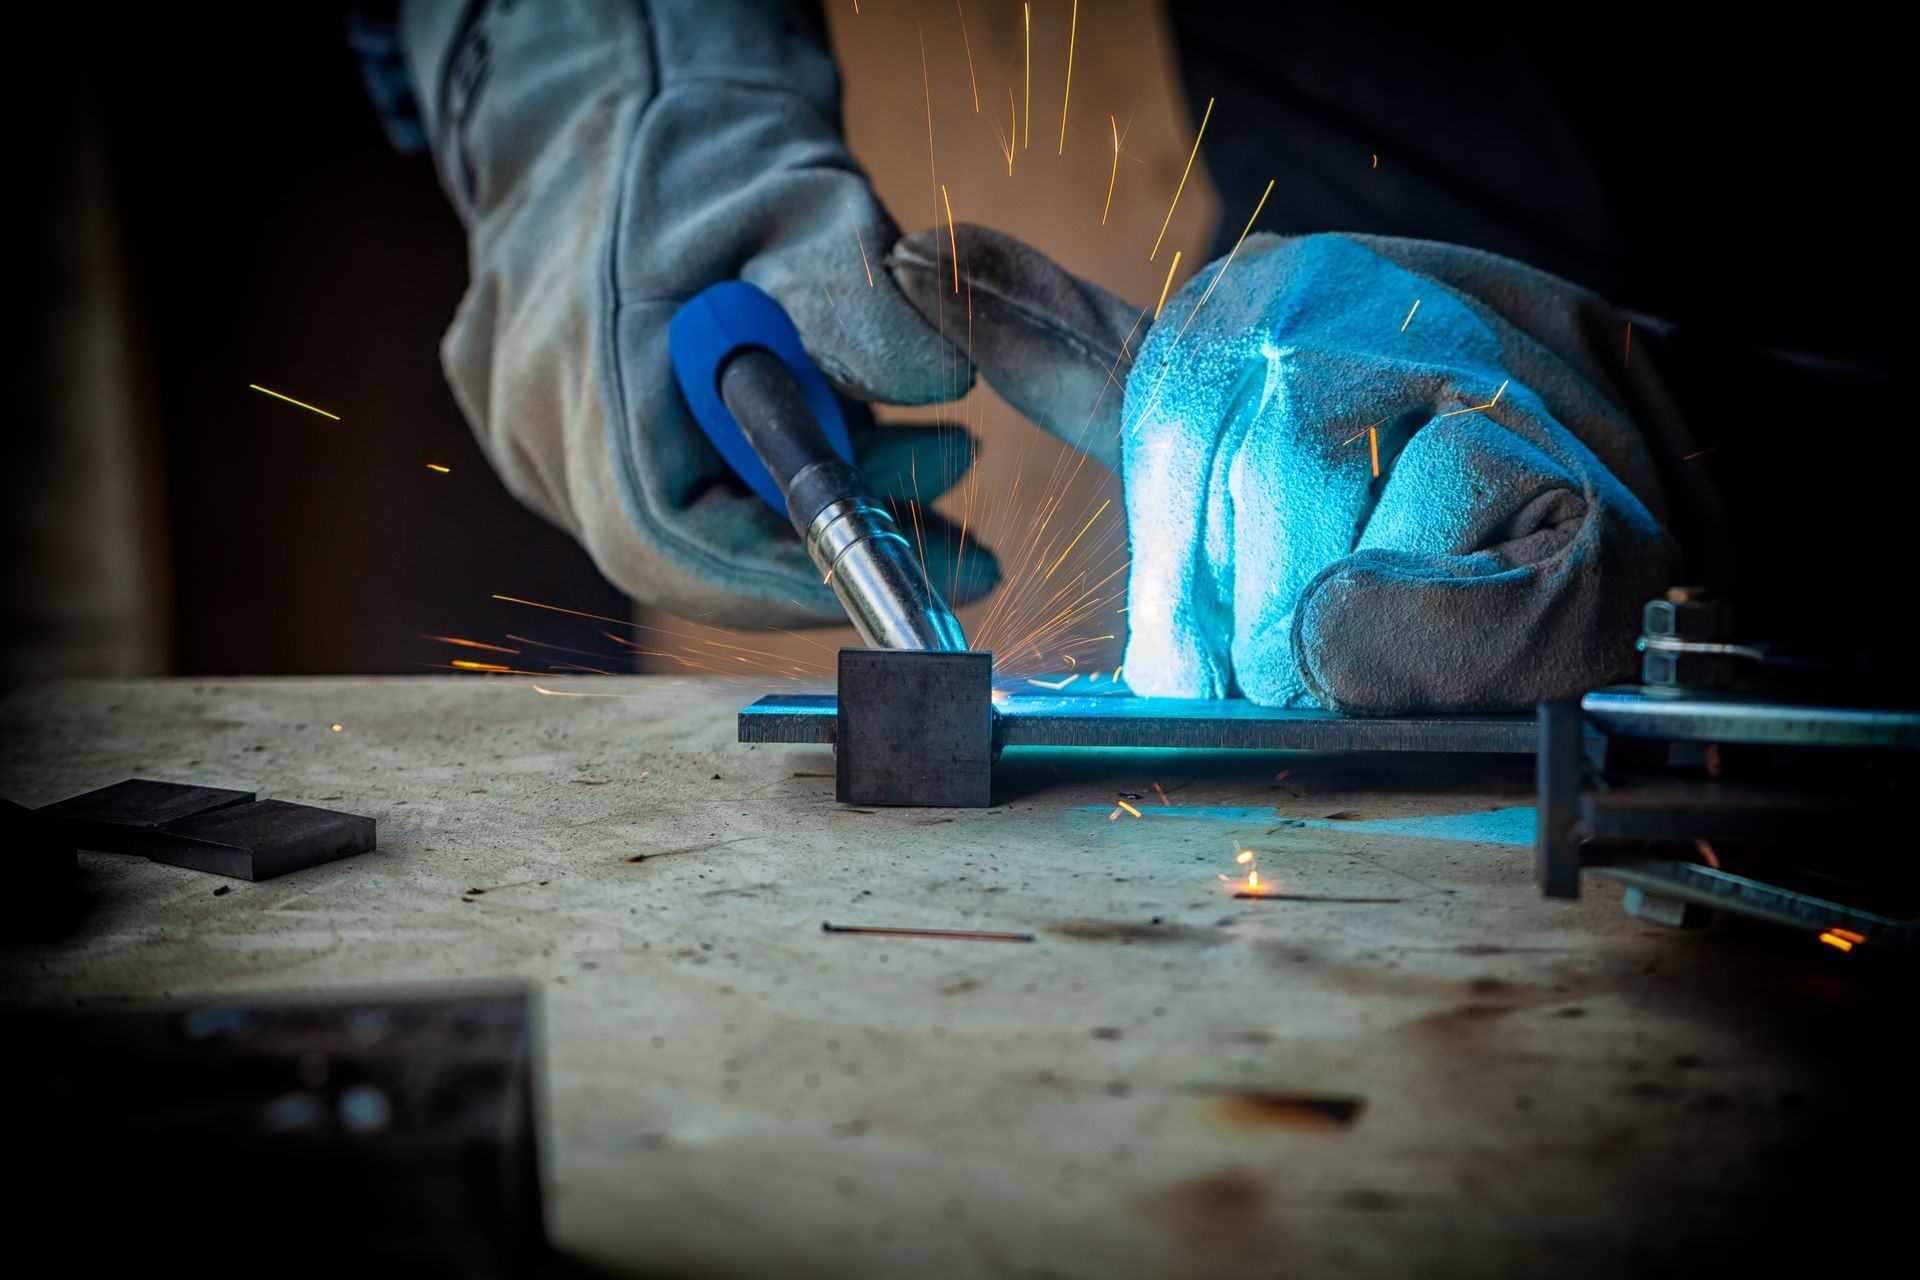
{"x": 1252, "y": 884}
{"x": 1835, "y": 941}
{"x": 1130, "y": 809}
{"x": 336, "y": 728}
{"x": 434, "y": 466}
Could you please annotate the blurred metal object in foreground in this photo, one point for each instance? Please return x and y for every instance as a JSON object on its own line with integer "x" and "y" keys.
{"x": 298, "y": 1138}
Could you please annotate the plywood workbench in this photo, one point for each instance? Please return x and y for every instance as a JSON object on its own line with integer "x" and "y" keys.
{"x": 1543, "y": 1087}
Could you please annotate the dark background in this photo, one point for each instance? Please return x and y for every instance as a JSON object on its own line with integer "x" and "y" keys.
{"x": 272, "y": 236}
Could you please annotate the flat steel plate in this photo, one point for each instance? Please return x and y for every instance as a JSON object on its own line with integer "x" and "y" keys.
{"x": 1122, "y": 720}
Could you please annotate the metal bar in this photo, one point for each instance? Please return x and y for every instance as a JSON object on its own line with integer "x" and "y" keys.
{"x": 1731, "y": 717}
{"x": 1121, "y": 720}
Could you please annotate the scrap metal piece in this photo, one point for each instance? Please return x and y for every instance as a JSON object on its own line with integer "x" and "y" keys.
{"x": 123, "y": 818}
{"x": 262, "y": 840}
{"x": 211, "y": 829}
{"x": 1122, "y": 720}
{"x": 915, "y": 727}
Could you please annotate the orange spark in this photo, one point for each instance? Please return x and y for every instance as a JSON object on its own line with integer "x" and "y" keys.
{"x": 1837, "y": 942}
{"x": 1376, "y": 160}
{"x": 1476, "y": 408}
{"x": 862, "y": 246}
{"x": 1373, "y": 447}
{"x": 1849, "y": 935}
{"x": 1703, "y": 452}
{"x": 1282, "y": 775}
{"x": 470, "y": 644}
{"x": 1163, "y": 794}
{"x": 1055, "y": 687}
{"x": 926, "y": 90}
{"x": 569, "y": 693}
{"x": 1409, "y": 320}
{"x": 1076, "y": 537}
{"x": 969, "y": 44}
{"x": 1243, "y": 857}
{"x": 1013, "y": 129}
{"x": 336, "y": 728}
{"x": 1130, "y": 809}
{"x": 1115, "y": 175}
{"x": 1183, "y": 181}
{"x": 290, "y": 400}
{"x": 1244, "y": 233}
{"x": 1114, "y": 816}
{"x": 1027, "y": 137}
{"x": 1626, "y": 356}
{"x": 1073, "y": 35}
{"x": 1253, "y": 882}
{"x": 465, "y": 665}
{"x": 1171, "y": 268}
{"x": 952, "y": 242}
{"x": 1166, "y": 365}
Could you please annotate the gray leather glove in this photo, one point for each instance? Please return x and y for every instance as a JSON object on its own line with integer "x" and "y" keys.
{"x": 610, "y": 160}
{"x": 1500, "y": 556}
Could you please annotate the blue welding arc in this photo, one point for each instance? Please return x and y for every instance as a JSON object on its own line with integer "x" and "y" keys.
{"x": 706, "y": 332}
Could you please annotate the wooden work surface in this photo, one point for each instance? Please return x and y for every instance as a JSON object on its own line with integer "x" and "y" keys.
{"x": 1543, "y": 1087}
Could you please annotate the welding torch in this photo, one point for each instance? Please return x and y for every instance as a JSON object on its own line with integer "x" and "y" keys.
{"x": 770, "y": 412}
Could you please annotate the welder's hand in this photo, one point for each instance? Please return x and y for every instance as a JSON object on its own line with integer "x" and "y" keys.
{"x": 610, "y": 161}
{"x": 1500, "y": 556}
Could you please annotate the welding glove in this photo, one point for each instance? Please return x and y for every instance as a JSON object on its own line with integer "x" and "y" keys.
{"x": 609, "y": 161}
{"x": 1499, "y": 556}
